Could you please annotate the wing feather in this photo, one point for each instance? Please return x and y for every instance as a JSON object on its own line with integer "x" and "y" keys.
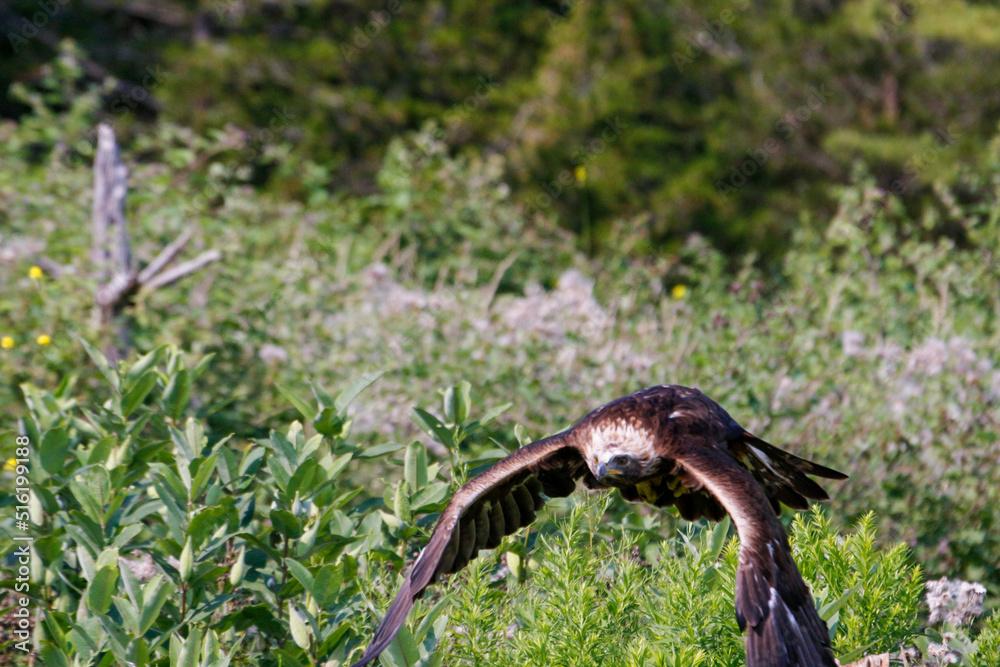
{"x": 494, "y": 504}
{"x": 497, "y": 525}
{"x": 782, "y": 474}
{"x": 534, "y": 487}
{"x": 483, "y": 526}
{"x": 511, "y": 513}
{"x": 525, "y": 504}
{"x": 466, "y": 543}
{"x": 448, "y": 554}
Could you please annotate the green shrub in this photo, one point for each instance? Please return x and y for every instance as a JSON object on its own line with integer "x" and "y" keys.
{"x": 155, "y": 539}
{"x": 645, "y": 599}
{"x": 988, "y": 643}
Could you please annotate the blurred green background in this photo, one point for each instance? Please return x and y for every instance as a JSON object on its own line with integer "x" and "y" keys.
{"x": 729, "y": 118}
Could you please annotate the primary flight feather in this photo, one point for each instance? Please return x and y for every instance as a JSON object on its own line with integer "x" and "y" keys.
{"x": 666, "y": 445}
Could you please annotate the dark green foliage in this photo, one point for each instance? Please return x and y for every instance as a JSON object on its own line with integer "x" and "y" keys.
{"x": 728, "y": 117}
{"x": 219, "y": 536}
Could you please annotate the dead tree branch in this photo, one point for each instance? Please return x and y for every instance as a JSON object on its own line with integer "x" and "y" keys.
{"x": 110, "y": 187}
{"x": 111, "y": 253}
{"x": 173, "y": 275}
{"x": 166, "y": 256}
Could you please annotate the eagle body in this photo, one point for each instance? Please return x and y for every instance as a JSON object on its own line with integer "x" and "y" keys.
{"x": 665, "y": 446}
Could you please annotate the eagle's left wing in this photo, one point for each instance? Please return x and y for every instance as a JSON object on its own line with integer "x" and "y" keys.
{"x": 773, "y": 602}
{"x": 494, "y": 504}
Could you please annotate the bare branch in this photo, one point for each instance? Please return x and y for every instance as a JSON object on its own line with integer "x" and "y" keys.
{"x": 166, "y": 256}
{"x": 50, "y": 266}
{"x": 173, "y": 275}
{"x": 111, "y": 253}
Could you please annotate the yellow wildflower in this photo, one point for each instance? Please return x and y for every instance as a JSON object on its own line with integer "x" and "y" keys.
{"x": 35, "y": 272}
{"x": 6, "y": 342}
{"x": 679, "y": 291}
{"x": 581, "y": 174}
{"x": 43, "y": 339}
{"x": 10, "y": 464}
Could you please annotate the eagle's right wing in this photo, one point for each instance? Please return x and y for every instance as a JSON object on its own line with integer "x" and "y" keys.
{"x": 494, "y": 504}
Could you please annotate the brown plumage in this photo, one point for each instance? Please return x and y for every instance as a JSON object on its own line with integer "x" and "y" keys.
{"x": 666, "y": 445}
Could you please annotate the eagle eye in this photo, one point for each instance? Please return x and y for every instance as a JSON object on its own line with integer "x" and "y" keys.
{"x": 621, "y": 460}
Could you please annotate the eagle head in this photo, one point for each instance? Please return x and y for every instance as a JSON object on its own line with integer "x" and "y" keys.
{"x": 621, "y": 452}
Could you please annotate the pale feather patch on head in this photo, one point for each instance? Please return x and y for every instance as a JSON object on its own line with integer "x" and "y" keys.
{"x": 621, "y": 436}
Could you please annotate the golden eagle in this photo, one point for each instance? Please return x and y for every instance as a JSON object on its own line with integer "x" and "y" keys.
{"x": 666, "y": 445}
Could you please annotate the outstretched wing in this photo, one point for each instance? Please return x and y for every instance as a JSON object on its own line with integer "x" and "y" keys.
{"x": 773, "y": 602}
{"x": 494, "y": 504}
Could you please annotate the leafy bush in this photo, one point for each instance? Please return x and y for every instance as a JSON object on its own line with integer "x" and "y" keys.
{"x": 988, "y": 643}
{"x": 645, "y": 599}
{"x": 155, "y": 540}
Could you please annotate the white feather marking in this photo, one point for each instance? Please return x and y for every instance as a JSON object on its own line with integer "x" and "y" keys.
{"x": 774, "y": 600}
{"x": 763, "y": 457}
{"x": 621, "y": 437}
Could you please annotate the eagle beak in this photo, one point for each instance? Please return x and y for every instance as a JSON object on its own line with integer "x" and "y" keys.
{"x": 618, "y": 468}
{"x": 604, "y": 471}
